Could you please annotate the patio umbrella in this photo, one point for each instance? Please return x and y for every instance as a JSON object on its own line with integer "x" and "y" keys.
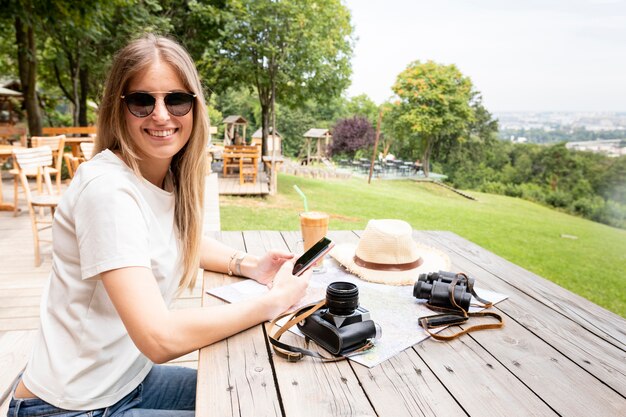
{"x": 9, "y": 93}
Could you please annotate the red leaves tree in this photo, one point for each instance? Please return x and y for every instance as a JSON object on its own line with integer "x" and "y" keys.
{"x": 350, "y": 135}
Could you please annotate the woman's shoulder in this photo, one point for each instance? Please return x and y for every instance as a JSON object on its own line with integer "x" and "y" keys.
{"x": 106, "y": 172}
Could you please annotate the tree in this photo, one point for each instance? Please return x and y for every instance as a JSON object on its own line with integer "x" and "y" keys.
{"x": 23, "y": 14}
{"x": 433, "y": 104}
{"x": 199, "y": 26}
{"x": 288, "y": 50}
{"x": 82, "y": 38}
{"x": 362, "y": 105}
{"x": 350, "y": 135}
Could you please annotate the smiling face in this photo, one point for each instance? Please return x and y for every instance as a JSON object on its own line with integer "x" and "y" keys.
{"x": 160, "y": 135}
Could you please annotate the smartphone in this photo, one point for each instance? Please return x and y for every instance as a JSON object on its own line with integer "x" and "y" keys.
{"x": 311, "y": 256}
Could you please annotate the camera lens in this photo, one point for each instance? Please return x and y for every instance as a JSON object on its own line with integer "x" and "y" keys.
{"x": 342, "y": 298}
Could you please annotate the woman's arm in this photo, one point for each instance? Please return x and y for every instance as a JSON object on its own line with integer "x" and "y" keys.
{"x": 163, "y": 334}
{"x": 218, "y": 257}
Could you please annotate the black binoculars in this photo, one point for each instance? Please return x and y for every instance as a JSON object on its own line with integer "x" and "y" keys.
{"x": 436, "y": 287}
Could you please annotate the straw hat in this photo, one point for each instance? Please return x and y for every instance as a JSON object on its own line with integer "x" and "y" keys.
{"x": 387, "y": 254}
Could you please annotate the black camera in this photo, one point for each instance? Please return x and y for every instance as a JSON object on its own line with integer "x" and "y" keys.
{"x": 341, "y": 326}
{"x": 436, "y": 288}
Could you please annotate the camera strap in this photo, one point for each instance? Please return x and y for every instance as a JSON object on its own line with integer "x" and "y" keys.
{"x": 457, "y": 315}
{"x": 295, "y": 353}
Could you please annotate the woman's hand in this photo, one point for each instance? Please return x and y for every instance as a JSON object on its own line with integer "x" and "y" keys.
{"x": 287, "y": 289}
{"x": 267, "y": 266}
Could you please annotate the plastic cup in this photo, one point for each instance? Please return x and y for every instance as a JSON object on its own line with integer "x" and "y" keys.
{"x": 314, "y": 226}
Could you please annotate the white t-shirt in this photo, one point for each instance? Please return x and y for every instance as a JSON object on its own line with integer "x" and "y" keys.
{"x": 108, "y": 218}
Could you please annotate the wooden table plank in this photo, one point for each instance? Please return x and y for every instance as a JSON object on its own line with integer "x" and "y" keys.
{"x": 588, "y": 350}
{"x": 463, "y": 360}
{"x": 308, "y": 388}
{"x": 404, "y": 385}
{"x": 559, "y": 380}
{"x": 237, "y": 375}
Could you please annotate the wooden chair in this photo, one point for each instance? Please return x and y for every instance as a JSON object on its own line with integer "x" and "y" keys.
{"x": 87, "y": 150}
{"x": 249, "y": 165}
{"x": 37, "y": 159}
{"x": 56, "y": 144}
{"x": 248, "y": 171}
{"x": 72, "y": 162}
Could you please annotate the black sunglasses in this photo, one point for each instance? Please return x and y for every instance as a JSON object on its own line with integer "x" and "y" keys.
{"x": 142, "y": 104}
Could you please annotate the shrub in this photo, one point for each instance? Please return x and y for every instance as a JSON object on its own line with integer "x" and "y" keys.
{"x": 492, "y": 187}
{"x": 589, "y": 207}
{"x": 558, "y": 198}
{"x": 533, "y": 192}
{"x": 512, "y": 190}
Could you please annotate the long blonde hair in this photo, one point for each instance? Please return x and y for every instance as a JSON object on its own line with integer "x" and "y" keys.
{"x": 189, "y": 164}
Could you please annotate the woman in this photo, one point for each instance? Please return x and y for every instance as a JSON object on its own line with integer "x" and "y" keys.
{"x": 127, "y": 236}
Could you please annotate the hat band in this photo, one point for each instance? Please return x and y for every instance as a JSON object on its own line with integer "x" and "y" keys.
{"x": 388, "y": 267}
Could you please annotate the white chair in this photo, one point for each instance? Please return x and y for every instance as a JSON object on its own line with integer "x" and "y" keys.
{"x": 37, "y": 160}
{"x": 56, "y": 144}
{"x": 87, "y": 149}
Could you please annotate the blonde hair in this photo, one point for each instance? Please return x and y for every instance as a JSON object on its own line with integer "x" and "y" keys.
{"x": 189, "y": 164}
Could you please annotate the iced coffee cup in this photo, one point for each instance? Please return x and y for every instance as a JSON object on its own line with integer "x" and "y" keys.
{"x": 314, "y": 226}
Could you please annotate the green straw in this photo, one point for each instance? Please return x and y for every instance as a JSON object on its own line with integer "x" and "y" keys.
{"x": 299, "y": 191}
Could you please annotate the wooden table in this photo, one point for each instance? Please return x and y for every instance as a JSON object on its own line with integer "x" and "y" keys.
{"x": 558, "y": 354}
{"x": 241, "y": 160}
{"x": 5, "y": 153}
{"x": 75, "y": 142}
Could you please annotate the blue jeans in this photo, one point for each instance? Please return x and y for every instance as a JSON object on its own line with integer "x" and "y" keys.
{"x": 167, "y": 391}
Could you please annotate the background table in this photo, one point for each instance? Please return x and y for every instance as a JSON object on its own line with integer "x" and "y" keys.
{"x": 558, "y": 354}
{"x": 5, "y": 153}
{"x": 74, "y": 143}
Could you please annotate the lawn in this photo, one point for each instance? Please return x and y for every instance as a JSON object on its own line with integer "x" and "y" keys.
{"x": 592, "y": 265}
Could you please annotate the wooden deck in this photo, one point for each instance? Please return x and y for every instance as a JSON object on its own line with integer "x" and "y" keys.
{"x": 21, "y": 286}
{"x": 557, "y": 355}
{"x": 230, "y": 185}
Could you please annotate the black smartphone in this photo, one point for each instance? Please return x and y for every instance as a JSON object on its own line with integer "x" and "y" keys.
{"x": 311, "y": 256}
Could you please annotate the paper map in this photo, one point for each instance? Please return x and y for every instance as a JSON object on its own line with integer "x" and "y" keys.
{"x": 393, "y": 308}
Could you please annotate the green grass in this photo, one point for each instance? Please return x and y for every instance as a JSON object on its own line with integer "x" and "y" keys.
{"x": 527, "y": 234}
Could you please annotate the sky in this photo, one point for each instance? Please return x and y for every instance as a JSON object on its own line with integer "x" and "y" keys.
{"x": 522, "y": 55}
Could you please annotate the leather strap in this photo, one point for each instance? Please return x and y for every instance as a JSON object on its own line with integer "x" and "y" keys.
{"x": 457, "y": 315}
{"x": 388, "y": 267}
{"x": 294, "y": 353}
{"x": 427, "y": 324}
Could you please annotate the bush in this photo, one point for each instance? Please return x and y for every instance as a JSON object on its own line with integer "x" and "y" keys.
{"x": 613, "y": 214}
{"x": 558, "y": 198}
{"x": 533, "y": 192}
{"x": 513, "y": 190}
{"x": 492, "y": 187}
{"x": 589, "y": 207}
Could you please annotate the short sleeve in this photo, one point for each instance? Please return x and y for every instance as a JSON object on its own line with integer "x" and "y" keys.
{"x": 111, "y": 228}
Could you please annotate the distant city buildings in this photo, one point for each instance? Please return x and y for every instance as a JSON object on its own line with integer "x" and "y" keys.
{"x": 591, "y": 121}
{"x": 611, "y": 147}
{"x": 518, "y": 139}
{"x": 600, "y": 132}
